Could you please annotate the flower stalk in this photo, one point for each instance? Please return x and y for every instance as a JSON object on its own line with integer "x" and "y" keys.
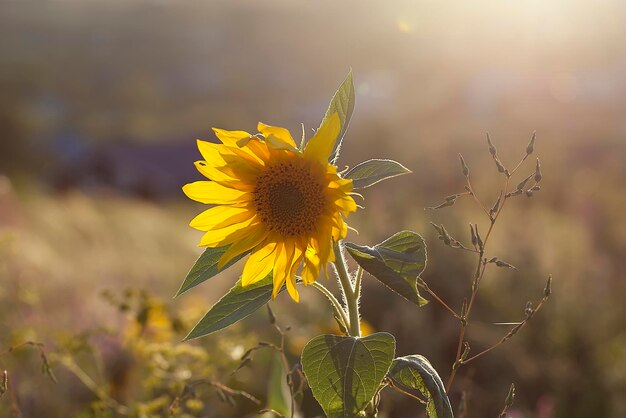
{"x": 350, "y": 292}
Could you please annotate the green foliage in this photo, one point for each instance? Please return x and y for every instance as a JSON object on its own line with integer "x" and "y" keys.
{"x": 416, "y": 372}
{"x": 343, "y": 104}
{"x": 373, "y": 171}
{"x": 206, "y": 267}
{"x": 234, "y": 306}
{"x": 278, "y": 393}
{"x": 397, "y": 262}
{"x": 345, "y": 373}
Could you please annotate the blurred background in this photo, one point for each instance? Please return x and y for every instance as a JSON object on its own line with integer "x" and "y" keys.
{"x": 100, "y": 106}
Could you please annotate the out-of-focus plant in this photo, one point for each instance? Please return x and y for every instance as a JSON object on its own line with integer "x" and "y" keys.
{"x": 141, "y": 370}
{"x": 284, "y": 206}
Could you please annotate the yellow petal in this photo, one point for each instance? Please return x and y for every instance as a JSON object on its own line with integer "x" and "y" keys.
{"x": 311, "y": 269}
{"x": 291, "y": 278}
{"x": 214, "y": 193}
{"x": 259, "y": 264}
{"x": 277, "y": 144}
{"x": 284, "y": 252}
{"x": 229, "y": 234}
{"x": 280, "y": 134}
{"x": 344, "y": 185}
{"x": 322, "y": 242}
{"x": 230, "y": 137}
{"x": 211, "y": 172}
{"x": 236, "y": 142}
{"x": 346, "y": 204}
{"x": 211, "y": 152}
{"x": 321, "y": 145}
{"x": 219, "y": 176}
{"x": 339, "y": 229}
{"x": 220, "y": 217}
{"x": 291, "y": 289}
{"x": 248, "y": 155}
{"x": 240, "y": 165}
{"x": 258, "y": 148}
{"x": 243, "y": 245}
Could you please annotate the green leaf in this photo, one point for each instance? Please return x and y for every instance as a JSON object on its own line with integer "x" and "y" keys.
{"x": 236, "y": 305}
{"x": 343, "y": 104}
{"x": 416, "y": 372}
{"x": 397, "y": 262}
{"x": 345, "y": 373}
{"x": 206, "y": 267}
{"x": 278, "y": 393}
{"x": 373, "y": 171}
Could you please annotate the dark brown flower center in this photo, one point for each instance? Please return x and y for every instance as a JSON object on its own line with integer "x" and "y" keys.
{"x": 289, "y": 198}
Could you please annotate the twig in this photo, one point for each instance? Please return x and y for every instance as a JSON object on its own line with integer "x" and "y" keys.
{"x": 424, "y": 285}
{"x": 480, "y": 272}
{"x": 511, "y": 333}
{"x": 73, "y": 367}
{"x": 225, "y": 393}
{"x": 404, "y": 392}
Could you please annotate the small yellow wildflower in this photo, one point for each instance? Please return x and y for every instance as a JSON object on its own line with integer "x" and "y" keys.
{"x": 284, "y": 205}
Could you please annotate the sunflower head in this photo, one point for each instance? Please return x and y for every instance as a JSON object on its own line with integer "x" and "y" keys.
{"x": 283, "y": 206}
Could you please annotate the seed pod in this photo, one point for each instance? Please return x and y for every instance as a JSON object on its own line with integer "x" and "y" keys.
{"x": 529, "y": 311}
{"x": 473, "y": 234}
{"x": 444, "y": 204}
{"x": 496, "y": 205}
{"x": 548, "y": 290}
{"x": 492, "y": 148}
{"x": 466, "y": 351}
{"x": 464, "y": 166}
{"x": 538, "y": 172}
{"x": 515, "y": 193}
{"x": 437, "y": 228}
{"x": 446, "y": 237}
{"x": 531, "y": 145}
{"x": 522, "y": 183}
{"x": 501, "y": 263}
{"x": 478, "y": 238}
{"x": 501, "y": 168}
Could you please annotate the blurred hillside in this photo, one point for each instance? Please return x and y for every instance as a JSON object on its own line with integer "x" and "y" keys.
{"x": 102, "y": 101}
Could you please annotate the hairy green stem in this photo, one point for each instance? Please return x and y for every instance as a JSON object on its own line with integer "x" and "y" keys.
{"x": 357, "y": 283}
{"x": 333, "y": 300}
{"x": 350, "y": 294}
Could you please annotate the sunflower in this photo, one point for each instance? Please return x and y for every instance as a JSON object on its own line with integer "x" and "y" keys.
{"x": 284, "y": 206}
